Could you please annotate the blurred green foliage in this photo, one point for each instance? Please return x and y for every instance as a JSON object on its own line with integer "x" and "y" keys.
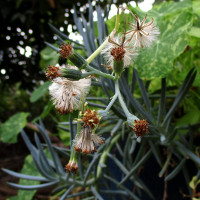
{"x": 12, "y": 127}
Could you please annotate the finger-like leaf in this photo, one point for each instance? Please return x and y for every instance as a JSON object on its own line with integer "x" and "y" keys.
{"x": 43, "y": 156}
{"x": 24, "y": 176}
{"x": 32, "y": 187}
{"x": 55, "y": 158}
{"x": 92, "y": 163}
{"x": 145, "y": 157}
{"x": 63, "y": 197}
{"x": 114, "y": 192}
{"x": 175, "y": 171}
{"x": 97, "y": 195}
{"x": 182, "y": 92}
{"x": 53, "y": 47}
{"x": 144, "y": 93}
{"x": 186, "y": 152}
{"x": 156, "y": 152}
{"x": 134, "y": 102}
{"x": 121, "y": 186}
{"x": 162, "y": 105}
{"x": 62, "y": 35}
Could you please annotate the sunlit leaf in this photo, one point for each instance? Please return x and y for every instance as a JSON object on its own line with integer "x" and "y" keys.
{"x": 195, "y": 32}
{"x": 48, "y": 57}
{"x": 157, "y": 61}
{"x": 39, "y": 92}
{"x": 10, "y": 129}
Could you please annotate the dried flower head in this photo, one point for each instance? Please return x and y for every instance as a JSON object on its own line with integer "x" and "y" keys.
{"x": 90, "y": 118}
{"x": 66, "y": 50}
{"x": 118, "y": 53}
{"x": 67, "y": 94}
{"x": 72, "y": 166}
{"x": 142, "y": 34}
{"x": 118, "y": 49}
{"x": 53, "y": 72}
{"x": 140, "y": 127}
{"x": 86, "y": 142}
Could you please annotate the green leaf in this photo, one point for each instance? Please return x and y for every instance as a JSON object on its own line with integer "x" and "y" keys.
{"x": 157, "y": 61}
{"x": 39, "y": 92}
{"x": 48, "y": 57}
{"x": 195, "y": 32}
{"x": 65, "y": 137}
{"x": 196, "y": 7}
{"x": 174, "y": 20}
{"x": 28, "y": 168}
{"x": 192, "y": 117}
{"x": 170, "y": 8}
{"x": 10, "y": 129}
{"x": 12, "y": 198}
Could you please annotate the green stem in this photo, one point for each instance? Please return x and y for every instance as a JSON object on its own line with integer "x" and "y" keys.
{"x": 165, "y": 165}
{"x": 97, "y": 72}
{"x": 111, "y": 102}
{"x": 105, "y": 155}
{"x": 123, "y": 105}
{"x": 98, "y": 50}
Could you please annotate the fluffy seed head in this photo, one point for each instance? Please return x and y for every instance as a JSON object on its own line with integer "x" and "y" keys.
{"x": 116, "y": 49}
{"x": 140, "y": 127}
{"x": 142, "y": 34}
{"x": 66, "y": 94}
{"x": 86, "y": 142}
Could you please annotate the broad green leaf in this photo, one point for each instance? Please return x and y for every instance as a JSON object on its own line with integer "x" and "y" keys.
{"x": 169, "y": 8}
{"x": 174, "y": 20}
{"x": 39, "y": 92}
{"x": 65, "y": 137}
{"x": 195, "y": 32}
{"x": 12, "y": 198}
{"x": 10, "y": 129}
{"x": 29, "y": 169}
{"x": 196, "y": 7}
{"x": 192, "y": 117}
{"x": 157, "y": 61}
{"x": 48, "y": 57}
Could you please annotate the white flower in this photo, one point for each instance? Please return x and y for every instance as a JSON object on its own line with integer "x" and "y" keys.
{"x": 87, "y": 141}
{"x": 67, "y": 94}
{"x": 142, "y": 35}
{"x": 117, "y": 42}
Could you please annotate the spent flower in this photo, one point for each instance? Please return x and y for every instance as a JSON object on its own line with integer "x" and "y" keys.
{"x": 67, "y": 94}
{"x": 86, "y": 142}
{"x": 140, "y": 127}
{"x": 67, "y": 51}
{"x": 72, "y": 166}
{"x": 53, "y": 72}
{"x": 118, "y": 49}
{"x": 90, "y": 118}
{"x": 142, "y": 34}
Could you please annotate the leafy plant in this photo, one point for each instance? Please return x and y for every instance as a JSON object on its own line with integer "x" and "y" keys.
{"x": 170, "y": 144}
